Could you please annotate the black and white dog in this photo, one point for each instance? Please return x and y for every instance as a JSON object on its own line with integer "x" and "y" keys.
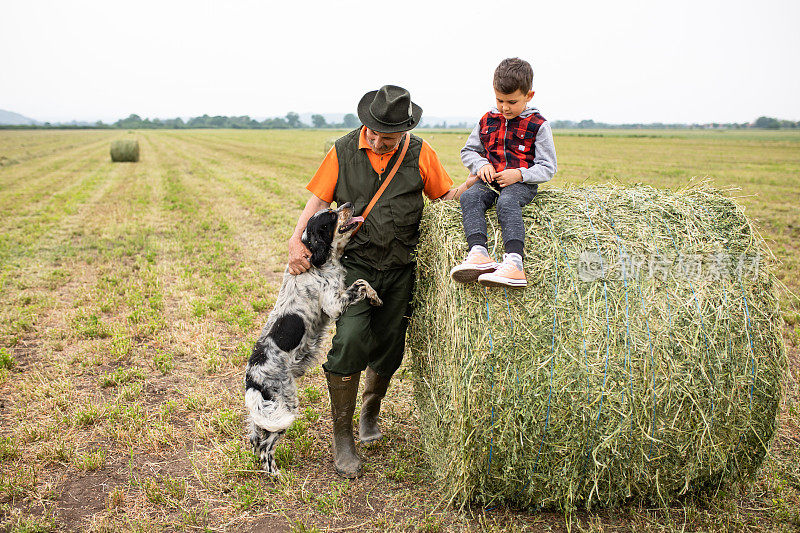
{"x": 291, "y": 340}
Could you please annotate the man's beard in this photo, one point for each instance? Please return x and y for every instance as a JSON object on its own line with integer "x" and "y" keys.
{"x": 384, "y": 149}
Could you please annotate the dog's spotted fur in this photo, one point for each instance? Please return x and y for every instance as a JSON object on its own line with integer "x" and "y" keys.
{"x": 291, "y": 340}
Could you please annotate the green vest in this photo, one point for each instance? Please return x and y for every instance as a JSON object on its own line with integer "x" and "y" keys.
{"x": 391, "y": 231}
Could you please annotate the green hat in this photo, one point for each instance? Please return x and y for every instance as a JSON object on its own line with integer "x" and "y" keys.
{"x": 389, "y": 110}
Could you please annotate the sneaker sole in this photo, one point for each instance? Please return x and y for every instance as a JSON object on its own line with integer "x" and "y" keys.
{"x": 504, "y": 283}
{"x": 469, "y": 275}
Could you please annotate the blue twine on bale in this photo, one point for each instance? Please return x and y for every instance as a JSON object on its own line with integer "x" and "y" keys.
{"x": 583, "y": 332}
{"x": 653, "y": 372}
{"x": 702, "y": 327}
{"x": 552, "y": 360}
{"x": 491, "y": 380}
{"x": 749, "y": 337}
{"x": 589, "y": 440}
{"x": 513, "y": 340}
{"x": 513, "y": 337}
{"x": 713, "y": 378}
{"x": 752, "y": 348}
{"x": 623, "y": 251}
{"x": 752, "y": 351}
{"x": 652, "y": 350}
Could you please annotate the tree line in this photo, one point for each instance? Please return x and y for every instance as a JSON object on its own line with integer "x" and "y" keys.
{"x": 766, "y": 123}
{"x": 350, "y": 121}
{"x": 133, "y": 121}
{"x": 290, "y": 121}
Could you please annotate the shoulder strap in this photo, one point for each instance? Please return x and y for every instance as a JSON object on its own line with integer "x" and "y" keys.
{"x": 385, "y": 181}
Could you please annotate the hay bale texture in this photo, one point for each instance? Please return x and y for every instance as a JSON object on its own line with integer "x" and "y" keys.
{"x": 585, "y": 390}
{"x": 125, "y": 151}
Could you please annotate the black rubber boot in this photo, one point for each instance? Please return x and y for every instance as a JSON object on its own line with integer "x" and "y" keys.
{"x": 343, "y": 391}
{"x": 374, "y": 390}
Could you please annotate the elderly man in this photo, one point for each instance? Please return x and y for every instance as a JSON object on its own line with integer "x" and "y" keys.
{"x": 368, "y": 338}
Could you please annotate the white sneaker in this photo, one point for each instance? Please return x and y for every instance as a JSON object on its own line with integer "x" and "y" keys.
{"x": 473, "y": 266}
{"x": 507, "y": 275}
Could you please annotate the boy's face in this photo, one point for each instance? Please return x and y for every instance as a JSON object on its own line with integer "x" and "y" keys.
{"x": 511, "y": 105}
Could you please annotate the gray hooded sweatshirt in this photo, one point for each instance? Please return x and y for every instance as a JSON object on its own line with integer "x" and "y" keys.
{"x": 473, "y": 155}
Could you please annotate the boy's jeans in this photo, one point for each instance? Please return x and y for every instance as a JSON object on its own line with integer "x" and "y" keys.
{"x": 476, "y": 200}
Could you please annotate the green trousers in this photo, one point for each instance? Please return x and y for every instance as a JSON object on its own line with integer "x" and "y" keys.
{"x": 368, "y": 335}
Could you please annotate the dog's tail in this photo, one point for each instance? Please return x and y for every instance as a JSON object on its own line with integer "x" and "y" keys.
{"x": 271, "y": 415}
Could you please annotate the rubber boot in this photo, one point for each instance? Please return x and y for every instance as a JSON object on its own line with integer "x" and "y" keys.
{"x": 343, "y": 391}
{"x": 374, "y": 390}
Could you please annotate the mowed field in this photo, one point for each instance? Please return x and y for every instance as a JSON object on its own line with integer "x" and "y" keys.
{"x": 131, "y": 295}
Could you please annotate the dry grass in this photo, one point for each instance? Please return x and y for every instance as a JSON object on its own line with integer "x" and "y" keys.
{"x": 130, "y": 296}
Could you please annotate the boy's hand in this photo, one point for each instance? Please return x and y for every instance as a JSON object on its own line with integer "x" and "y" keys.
{"x": 486, "y": 173}
{"x": 508, "y": 176}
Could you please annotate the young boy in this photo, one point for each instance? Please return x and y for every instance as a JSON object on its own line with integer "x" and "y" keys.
{"x": 511, "y": 151}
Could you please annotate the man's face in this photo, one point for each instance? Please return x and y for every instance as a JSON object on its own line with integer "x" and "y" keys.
{"x": 511, "y": 105}
{"x": 382, "y": 143}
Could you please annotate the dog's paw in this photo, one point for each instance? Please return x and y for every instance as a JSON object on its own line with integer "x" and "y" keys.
{"x": 372, "y": 297}
{"x": 367, "y": 292}
{"x": 269, "y": 465}
{"x": 272, "y": 469}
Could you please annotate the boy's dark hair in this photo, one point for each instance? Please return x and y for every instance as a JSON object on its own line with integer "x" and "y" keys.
{"x": 512, "y": 74}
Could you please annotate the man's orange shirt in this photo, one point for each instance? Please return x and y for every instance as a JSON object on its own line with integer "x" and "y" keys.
{"x": 435, "y": 179}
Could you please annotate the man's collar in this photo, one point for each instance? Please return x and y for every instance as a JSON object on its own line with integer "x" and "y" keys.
{"x": 362, "y": 139}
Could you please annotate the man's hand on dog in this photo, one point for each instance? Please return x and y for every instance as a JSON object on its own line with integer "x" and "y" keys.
{"x": 299, "y": 257}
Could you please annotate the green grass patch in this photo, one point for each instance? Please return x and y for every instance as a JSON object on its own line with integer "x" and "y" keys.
{"x": 121, "y": 376}
{"x": 164, "y": 362}
{"x": 311, "y": 393}
{"x": 297, "y": 429}
{"x": 311, "y": 414}
{"x": 227, "y": 422}
{"x": 8, "y": 449}
{"x": 249, "y": 494}
{"x": 91, "y": 461}
{"x": 91, "y": 326}
{"x": 164, "y": 490}
{"x": 88, "y": 415}
{"x": 7, "y": 361}
{"x": 261, "y": 305}
{"x": 121, "y": 347}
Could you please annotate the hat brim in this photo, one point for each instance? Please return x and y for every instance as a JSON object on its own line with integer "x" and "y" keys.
{"x": 375, "y": 125}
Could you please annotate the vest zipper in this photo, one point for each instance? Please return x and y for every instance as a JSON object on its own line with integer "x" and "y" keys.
{"x": 505, "y": 155}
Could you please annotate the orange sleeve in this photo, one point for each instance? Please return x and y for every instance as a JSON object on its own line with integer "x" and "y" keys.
{"x": 324, "y": 181}
{"x": 435, "y": 179}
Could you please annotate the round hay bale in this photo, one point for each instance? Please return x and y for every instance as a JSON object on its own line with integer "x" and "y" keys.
{"x": 644, "y": 359}
{"x": 125, "y": 151}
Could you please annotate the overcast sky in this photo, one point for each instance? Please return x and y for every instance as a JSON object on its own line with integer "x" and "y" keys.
{"x": 612, "y": 61}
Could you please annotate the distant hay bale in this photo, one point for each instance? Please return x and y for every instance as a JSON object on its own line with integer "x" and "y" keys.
{"x": 328, "y": 145}
{"x": 644, "y": 359}
{"x": 6, "y": 162}
{"x": 125, "y": 151}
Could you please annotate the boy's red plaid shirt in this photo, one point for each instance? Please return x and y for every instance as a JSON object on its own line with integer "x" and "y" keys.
{"x": 510, "y": 143}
